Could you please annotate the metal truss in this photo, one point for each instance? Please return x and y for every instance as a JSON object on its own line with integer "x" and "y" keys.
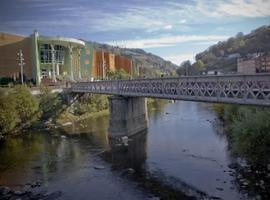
{"x": 239, "y": 89}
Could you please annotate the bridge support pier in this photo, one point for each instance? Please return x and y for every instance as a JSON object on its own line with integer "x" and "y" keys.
{"x": 128, "y": 116}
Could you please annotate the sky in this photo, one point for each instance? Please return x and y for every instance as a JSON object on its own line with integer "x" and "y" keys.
{"x": 174, "y": 29}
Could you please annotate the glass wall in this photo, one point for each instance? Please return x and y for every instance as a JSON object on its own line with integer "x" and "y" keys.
{"x": 46, "y": 54}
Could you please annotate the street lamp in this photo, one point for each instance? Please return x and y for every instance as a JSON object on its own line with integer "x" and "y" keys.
{"x": 21, "y": 63}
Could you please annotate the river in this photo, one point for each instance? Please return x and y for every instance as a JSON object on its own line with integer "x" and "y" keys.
{"x": 184, "y": 149}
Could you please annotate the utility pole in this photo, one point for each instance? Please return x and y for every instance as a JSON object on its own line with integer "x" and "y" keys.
{"x": 21, "y": 63}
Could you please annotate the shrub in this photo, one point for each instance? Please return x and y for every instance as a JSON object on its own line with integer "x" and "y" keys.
{"x": 250, "y": 133}
{"x": 8, "y": 114}
{"x": 49, "y": 103}
{"x": 91, "y": 103}
{"x": 26, "y": 104}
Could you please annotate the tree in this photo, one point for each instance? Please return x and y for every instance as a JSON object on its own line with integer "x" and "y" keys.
{"x": 184, "y": 68}
{"x": 49, "y": 103}
{"x": 239, "y": 34}
{"x": 26, "y": 104}
{"x": 199, "y": 66}
{"x": 8, "y": 114}
{"x": 118, "y": 74}
{"x": 250, "y": 132}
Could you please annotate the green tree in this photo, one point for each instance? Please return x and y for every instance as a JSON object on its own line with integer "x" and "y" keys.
{"x": 8, "y": 114}
{"x": 199, "y": 66}
{"x": 49, "y": 103}
{"x": 250, "y": 133}
{"x": 184, "y": 69}
{"x": 26, "y": 104}
{"x": 118, "y": 74}
{"x": 91, "y": 103}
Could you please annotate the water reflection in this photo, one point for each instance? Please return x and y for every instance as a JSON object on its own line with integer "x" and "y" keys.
{"x": 50, "y": 155}
{"x": 181, "y": 143}
{"x": 128, "y": 155}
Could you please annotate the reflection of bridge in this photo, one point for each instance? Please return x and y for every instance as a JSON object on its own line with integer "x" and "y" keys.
{"x": 240, "y": 89}
{"x": 128, "y": 107}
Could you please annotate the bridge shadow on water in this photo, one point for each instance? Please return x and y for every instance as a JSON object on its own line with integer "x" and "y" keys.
{"x": 128, "y": 156}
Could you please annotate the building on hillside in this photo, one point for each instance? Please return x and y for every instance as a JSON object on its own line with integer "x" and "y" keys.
{"x": 104, "y": 62}
{"x": 109, "y": 61}
{"x": 124, "y": 63}
{"x": 254, "y": 63}
{"x": 48, "y": 60}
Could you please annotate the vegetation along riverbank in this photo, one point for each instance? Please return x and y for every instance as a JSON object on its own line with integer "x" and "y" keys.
{"x": 248, "y": 132}
{"x": 19, "y": 109}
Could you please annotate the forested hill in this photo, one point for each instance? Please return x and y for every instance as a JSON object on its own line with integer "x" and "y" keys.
{"x": 151, "y": 65}
{"x": 223, "y": 55}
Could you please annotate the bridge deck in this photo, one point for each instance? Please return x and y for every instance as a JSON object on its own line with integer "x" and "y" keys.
{"x": 239, "y": 89}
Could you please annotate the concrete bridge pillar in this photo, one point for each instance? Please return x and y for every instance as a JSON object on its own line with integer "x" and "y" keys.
{"x": 128, "y": 116}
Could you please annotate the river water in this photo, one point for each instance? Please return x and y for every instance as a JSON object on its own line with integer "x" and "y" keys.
{"x": 184, "y": 148}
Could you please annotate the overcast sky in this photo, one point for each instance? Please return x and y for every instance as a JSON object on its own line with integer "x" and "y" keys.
{"x": 173, "y": 29}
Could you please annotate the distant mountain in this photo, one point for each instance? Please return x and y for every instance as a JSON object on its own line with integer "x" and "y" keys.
{"x": 150, "y": 65}
{"x": 223, "y": 55}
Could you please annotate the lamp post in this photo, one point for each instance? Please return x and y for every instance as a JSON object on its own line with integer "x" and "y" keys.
{"x": 21, "y": 63}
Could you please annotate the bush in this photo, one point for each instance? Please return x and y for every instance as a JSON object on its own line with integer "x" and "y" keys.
{"x": 219, "y": 109}
{"x": 26, "y": 104}
{"x": 49, "y": 103}
{"x": 5, "y": 80}
{"x": 91, "y": 103}
{"x": 248, "y": 130}
{"x": 8, "y": 114}
{"x": 118, "y": 74}
{"x": 250, "y": 133}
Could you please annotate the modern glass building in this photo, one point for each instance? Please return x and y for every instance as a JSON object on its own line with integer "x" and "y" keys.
{"x": 48, "y": 60}
{"x": 55, "y": 60}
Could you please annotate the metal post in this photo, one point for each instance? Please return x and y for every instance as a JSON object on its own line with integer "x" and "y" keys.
{"x": 79, "y": 64}
{"x": 21, "y": 63}
{"x": 53, "y": 62}
{"x": 70, "y": 56}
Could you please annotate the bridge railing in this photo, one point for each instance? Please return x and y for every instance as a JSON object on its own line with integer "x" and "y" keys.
{"x": 240, "y": 89}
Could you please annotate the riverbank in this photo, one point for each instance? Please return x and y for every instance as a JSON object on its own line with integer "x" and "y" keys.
{"x": 6, "y": 194}
{"x": 67, "y": 117}
{"x": 180, "y": 151}
{"x": 248, "y": 131}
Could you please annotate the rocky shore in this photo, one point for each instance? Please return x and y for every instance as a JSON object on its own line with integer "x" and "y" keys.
{"x": 7, "y": 193}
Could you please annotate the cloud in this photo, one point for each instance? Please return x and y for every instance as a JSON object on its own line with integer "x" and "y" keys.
{"x": 171, "y": 16}
{"x": 179, "y": 58}
{"x": 236, "y": 8}
{"x": 167, "y": 41}
{"x": 168, "y": 27}
{"x": 150, "y": 18}
{"x": 252, "y": 8}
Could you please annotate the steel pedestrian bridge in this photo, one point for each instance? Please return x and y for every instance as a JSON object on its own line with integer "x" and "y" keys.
{"x": 238, "y": 89}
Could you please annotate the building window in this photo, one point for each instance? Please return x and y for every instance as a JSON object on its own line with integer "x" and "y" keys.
{"x": 46, "y": 54}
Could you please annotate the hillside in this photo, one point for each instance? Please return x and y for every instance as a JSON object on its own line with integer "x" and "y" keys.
{"x": 150, "y": 65}
{"x": 223, "y": 55}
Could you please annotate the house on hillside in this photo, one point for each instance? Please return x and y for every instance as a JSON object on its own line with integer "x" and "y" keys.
{"x": 254, "y": 63}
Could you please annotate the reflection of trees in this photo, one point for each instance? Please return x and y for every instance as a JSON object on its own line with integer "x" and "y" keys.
{"x": 155, "y": 107}
{"x": 41, "y": 156}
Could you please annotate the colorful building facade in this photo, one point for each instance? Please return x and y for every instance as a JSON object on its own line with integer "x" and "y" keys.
{"x": 52, "y": 60}
{"x": 104, "y": 62}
